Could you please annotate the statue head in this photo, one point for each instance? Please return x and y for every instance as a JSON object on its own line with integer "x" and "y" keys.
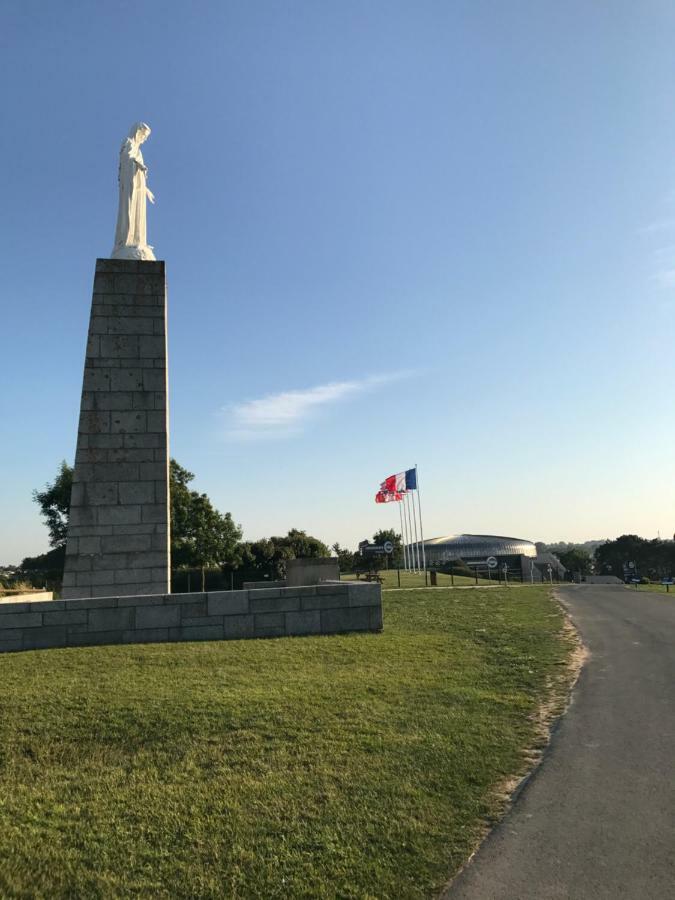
{"x": 139, "y": 132}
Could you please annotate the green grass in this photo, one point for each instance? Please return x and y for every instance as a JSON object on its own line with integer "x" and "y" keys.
{"x": 654, "y": 588}
{"x": 351, "y": 766}
{"x": 414, "y": 580}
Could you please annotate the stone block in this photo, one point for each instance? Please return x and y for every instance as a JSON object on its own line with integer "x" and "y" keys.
{"x": 157, "y": 421}
{"x": 145, "y": 636}
{"x": 112, "y": 619}
{"x": 104, "y": 577}
{"x": 334, "y": 621}
{"x": 152, "y": 347}
{"x": 116, "y": 471}
{"x": 154, "y": 513}
{"x": 202, "y": 633}
{"x": 133, "y": 576}
{"x": 158, "y": 616}
{"x": 143, "y": 400}
{"x": 21, "y": 620}
{"x": 123, "y": 543}
{"x": 67, "y": 617}
{"x": 155, "y": 440}
{"x": 308, "y": 622}
{"x": 101, "y": 493}
{"x": 133, "y": 421}
{"x": 11, "y": 607}
{"x": 152, "y": 471}
{"x": 327, "y": 601}
{"x": 82, "y": 515}
{"x": 227, "y": 603}
{"x": 269, "y": 625}
{"x": 100, "y": 602}
{"x": 147, "y": 600}
{"x": 365, "y": 595}
{"x": 45, "y": 606}
{"x": 273, "y": 604}
{"x": 93, "y": 638}
{"x": 123, "y": 346}
{"x": 41, "y": 638}
{"x": 376, "y": 623}
{"x": 124, "y": 325}
{"x": 106, "y": 441}
{"x": 127, "y": 379}
{"x": 265, "y": 593}
{"x": 96, "y": 380}
{"x": 192, "y": 609}
{"x": 154, "y": 379}
{"x": 334, "y": 588}
{"x": 137, "y": 492}
{"x": 239, "y": 626}
{"x": 192, "y": 597}
{"x": 198, "y": 621}
{"x": 8, "y": 645}
{"x": 95, "y": 422}
{"x": 119, "y": 515}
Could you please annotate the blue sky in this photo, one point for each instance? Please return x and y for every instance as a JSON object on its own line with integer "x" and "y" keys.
{"x": 428, "y": 232}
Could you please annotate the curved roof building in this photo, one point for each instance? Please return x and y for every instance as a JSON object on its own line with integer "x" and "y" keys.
{"x": 475, "y": 548}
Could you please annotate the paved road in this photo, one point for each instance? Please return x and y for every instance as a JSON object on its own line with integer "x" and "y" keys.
{"x": 598, "y": 818}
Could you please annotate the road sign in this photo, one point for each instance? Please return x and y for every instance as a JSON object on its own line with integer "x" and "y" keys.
{"x": 635, "y": 581}
{"x": 388, "y": 547}
{"x": 631, "y": 565}
{"x": 668, "y": 581}
{"x": 372, "y": 548}
{"x": 492, "y": 562}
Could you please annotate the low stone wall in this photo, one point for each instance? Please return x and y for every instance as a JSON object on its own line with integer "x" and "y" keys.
{"x": 26, "y": 595}
{"x": 217, "y": 615}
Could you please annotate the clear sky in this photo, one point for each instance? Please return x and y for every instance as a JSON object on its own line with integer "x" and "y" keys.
{"x": 395, "y": 232}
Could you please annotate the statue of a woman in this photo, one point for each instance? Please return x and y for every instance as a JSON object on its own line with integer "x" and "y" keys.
{"x": 130, "y": 234}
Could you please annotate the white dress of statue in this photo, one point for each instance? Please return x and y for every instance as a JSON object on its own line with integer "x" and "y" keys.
{"x": 130, "y": 234}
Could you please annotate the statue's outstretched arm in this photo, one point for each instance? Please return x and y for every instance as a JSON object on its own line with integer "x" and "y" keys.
{"x": 149, "y": 195}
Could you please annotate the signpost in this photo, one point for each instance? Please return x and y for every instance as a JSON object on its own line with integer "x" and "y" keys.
{"x": 491, "y": 564}
{"x": 667, "y": 582}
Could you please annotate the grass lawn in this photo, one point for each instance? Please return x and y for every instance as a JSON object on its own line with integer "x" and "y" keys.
{"x": 412, "y": 579}
{"x": 654, "y": 588}
{"x": 351, "y": 766}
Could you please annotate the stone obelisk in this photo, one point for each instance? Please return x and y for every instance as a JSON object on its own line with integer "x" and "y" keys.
{"x": 118, "y": 532}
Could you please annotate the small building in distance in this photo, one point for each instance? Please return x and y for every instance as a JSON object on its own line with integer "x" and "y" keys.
{"x": 519, "y": 556}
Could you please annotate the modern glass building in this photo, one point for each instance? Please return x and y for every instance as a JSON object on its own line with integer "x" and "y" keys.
{"x": 474, "y": 549}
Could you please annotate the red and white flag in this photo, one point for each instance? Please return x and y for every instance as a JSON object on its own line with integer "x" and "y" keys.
{"x": 388, "y": 496}
{"x": 394, "y": 483}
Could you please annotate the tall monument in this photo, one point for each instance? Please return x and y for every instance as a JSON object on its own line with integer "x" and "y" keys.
{"x": 118, "y": 533}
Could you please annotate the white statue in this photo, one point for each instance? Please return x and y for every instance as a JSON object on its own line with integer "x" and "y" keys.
{"x": 130, "y": 234}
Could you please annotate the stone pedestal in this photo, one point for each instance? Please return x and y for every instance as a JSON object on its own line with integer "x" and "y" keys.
{"x": 118, "y": 534}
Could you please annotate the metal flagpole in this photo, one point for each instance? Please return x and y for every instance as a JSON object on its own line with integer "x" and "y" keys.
{"x": 405, "y": 553}
{"x": 410, "y": 532}
{"x": 417, "y": 543}
{"x": 419, "y": 507}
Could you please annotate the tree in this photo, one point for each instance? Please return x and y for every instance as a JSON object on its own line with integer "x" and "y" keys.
{"x": 54, "y": 503}
{"x": 576, "y": 560}
{"x": 345, "y": 558}
{"x": 267, "y": 557}
{"x": 388, "y": 534}
{"x": 201, "y": 537}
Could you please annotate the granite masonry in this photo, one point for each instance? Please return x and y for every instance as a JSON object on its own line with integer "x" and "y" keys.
{"x": 118, "y": 536}
{"x": 274, "y": 612}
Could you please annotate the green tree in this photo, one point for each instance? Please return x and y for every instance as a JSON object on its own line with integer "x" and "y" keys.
{"x": 388, "y": 534}
{"x": 576, "y": 560}
{"x": 345, "y": 558}
{"x": 201, "y": 537}
{"x": 54, "y": 503}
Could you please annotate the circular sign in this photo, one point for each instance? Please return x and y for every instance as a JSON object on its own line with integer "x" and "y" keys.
{"x": 631, "y": 565}
{"x": 492, "y": 562}
{"x": 388, "y": 547}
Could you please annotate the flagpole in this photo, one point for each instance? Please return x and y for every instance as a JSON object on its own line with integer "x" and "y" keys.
{"x": 419, "y": 507}
{"x": 417, "y": 543}
{"x": 410, "y": 532}
{"x": 405, "y": 558}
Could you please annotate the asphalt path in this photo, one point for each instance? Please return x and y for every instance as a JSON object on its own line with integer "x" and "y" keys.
{"x": 597, "y": 819}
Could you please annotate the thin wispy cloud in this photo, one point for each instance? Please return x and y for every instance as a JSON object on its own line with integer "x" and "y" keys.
{"x": 665, "y": 278}
{"x": 286, "y": 413}
{"x": 660, "y": 225}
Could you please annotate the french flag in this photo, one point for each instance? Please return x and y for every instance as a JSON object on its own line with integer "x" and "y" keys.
{"x": 403, "y": 481}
